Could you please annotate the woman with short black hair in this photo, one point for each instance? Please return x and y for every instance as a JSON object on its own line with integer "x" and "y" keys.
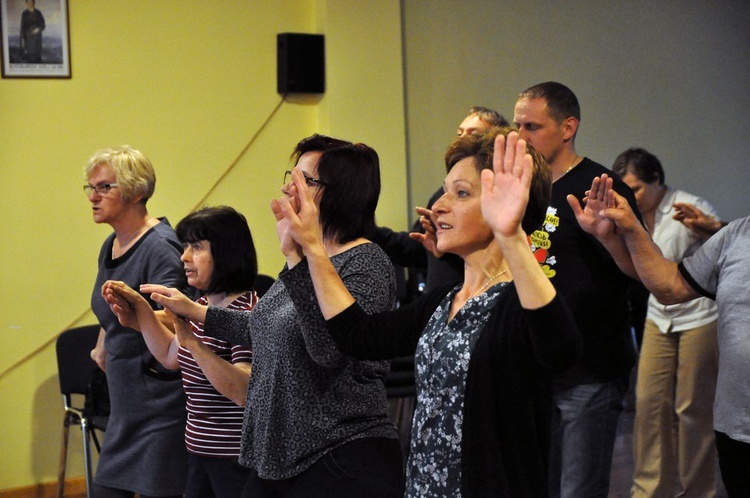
{"x": 219, "y": 259}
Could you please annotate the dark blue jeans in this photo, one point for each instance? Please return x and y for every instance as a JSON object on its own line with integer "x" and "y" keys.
{"x": 363, "y": 468}
{"x": 584, "y": 429}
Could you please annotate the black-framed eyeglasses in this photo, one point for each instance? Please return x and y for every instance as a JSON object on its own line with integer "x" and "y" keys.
{"x": 312, "y": 182}
{"x": 101, "y": 189}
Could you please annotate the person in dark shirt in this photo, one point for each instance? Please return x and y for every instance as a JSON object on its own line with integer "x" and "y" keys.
{"x": 405, "y": 248}
{"x": 588, "y": 396}
{"x": 32, "y": 25}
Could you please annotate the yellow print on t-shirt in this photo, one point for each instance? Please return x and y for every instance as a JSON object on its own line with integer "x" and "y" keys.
{"x": 540, "y": 242}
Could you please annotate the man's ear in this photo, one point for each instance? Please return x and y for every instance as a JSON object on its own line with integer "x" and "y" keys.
{"x": 570, "y": 128}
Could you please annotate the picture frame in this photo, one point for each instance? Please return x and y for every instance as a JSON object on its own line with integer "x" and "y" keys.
{"x": 35, "y": 38}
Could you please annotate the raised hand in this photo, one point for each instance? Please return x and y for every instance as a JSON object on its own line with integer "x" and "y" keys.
{"x": 289, "y": 247}
{"x": 303, "y": 223}
{"x": 620, "y": 212}
{"x": 428, "y": 239}
{"x": 505, "y": 189}
{"x": 696, "y": 220}
{"x": 598, "y": 198}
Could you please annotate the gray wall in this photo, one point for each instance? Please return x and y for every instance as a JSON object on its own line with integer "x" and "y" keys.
{"x": 670, "y": 76}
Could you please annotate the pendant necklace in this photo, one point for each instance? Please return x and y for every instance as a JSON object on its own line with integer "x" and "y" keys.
{"x": 487, "y": 283}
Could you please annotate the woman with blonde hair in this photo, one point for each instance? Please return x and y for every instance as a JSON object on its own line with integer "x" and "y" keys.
{"x": 143, "y": 451}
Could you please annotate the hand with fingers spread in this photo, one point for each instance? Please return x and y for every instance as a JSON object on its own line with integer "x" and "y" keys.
{"x": 620, "y": 213}
{"x": 598, "y": 198}
{"x": 428, "y": 239}
{"x": 505, "y": 189}
{"x": 289, "y": 248}
{"x": 696, "y": 220}
{"x": 303, "y": 223}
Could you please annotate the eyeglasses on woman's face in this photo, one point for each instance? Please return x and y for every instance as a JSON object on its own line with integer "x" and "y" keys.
{"x": 311, "y": 182}
{"x": 101, "y": 189}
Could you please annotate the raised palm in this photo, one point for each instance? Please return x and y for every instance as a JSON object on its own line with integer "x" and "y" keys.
{"x": 505, "y": 189}
{"x": 597, "y": 199}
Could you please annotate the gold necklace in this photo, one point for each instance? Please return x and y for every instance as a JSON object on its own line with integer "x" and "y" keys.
{"x": 487, "y": 283}
{"x": 572, "y": 165}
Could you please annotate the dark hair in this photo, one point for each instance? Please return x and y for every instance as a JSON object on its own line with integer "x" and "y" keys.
{"x": 232, "y": 248}
{"x": 641, "y": 163}
{"x": 489, "y": 116}
{"x": 316, "y": 143}
{"x": 348, "y": 201}
{"x": 561, "y": 101}
{"x": 481, "y": 146}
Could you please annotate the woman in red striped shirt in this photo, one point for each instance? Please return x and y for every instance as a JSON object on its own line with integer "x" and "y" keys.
{"x": 219, "y": 260}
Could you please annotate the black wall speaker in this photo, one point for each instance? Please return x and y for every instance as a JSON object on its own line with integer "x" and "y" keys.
{"x": 301, "y": 64}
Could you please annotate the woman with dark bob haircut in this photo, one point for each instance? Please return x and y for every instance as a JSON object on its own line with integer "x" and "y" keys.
{"x": 219, "y": 259}
{"x": 316, "y": 420}
{"x": 484, "y": 349}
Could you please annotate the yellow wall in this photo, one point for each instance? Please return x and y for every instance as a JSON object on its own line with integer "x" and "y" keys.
{"x": 188, "y": 83}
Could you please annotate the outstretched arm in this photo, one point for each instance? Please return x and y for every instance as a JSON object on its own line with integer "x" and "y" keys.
{"x": 660, "y": 275}
{"x": 176, "y": 301}
{"x": 133, "y": 311}
{"x": 505, "y": 194}
{"x": 590, "y": 219}
{"x": 230, "y": 379}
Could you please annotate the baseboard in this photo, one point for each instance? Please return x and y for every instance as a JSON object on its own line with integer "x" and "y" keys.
{"x": 74, "y": 488}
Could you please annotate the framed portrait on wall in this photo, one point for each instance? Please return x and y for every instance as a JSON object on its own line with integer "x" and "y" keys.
{"x": 36, "y": 38}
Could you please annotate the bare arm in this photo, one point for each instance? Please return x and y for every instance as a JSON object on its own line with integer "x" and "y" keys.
{"x": 230, "y": 379}
{"x": 660, "y": 275}
{"x": 99, "y": 354}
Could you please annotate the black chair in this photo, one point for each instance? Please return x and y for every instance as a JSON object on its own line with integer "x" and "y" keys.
{"x": 77, "y": 372}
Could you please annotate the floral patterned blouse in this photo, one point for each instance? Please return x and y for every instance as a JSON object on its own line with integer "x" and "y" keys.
{"x": 442, "y": 365}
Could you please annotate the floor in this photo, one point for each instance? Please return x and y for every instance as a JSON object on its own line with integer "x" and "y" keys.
{"x": 622, "y": 460}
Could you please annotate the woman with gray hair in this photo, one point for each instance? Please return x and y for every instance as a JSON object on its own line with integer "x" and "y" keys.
{"x": 143, "y": 451}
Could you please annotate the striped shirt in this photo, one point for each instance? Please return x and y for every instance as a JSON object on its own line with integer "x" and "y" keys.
{"x": 214, "y": 423}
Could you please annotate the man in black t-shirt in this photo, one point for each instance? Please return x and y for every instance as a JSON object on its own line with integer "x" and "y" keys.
{"x": 588, "y": 397}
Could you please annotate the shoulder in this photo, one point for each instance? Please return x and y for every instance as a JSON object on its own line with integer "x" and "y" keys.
{"x": 368, "y": 254}
{"x": 164, "y": 236}
{"x": 737, "y": 229}
{"x": 246, "y": 301}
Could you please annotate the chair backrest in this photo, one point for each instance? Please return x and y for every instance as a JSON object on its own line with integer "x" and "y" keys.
{"x": 74, "y": 364}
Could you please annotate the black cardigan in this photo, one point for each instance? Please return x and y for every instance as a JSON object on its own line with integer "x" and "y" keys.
{"x": 508, "y": 399}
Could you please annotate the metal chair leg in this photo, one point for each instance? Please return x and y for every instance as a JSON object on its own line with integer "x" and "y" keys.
{"x": 63, "y": 457}
{"x": 87, "y": 454}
